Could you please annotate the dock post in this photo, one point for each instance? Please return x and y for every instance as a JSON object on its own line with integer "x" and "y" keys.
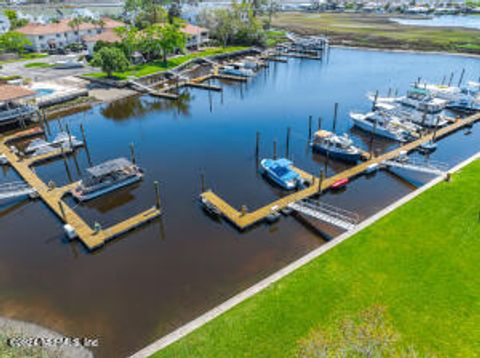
{"x": 374, "y": 104}
{"x": 309, "y": 127}
{"x": 62, "y": 209}
{"x": 319, "y": 123}
{"x": 320, "y": 181}
{"x": 335, "y": 112}
{"x": 274, "y": 149}
{"x": 451, "y": 79}
{"x": 389, "y": 91}
{"x": 287, "y": 144}
{"x": 257, "y": 145}
{"x": 46, "y": 122}
{"x": 243, "y": 210}
{"x": 132, "y": 153}
{"x": 67, "y": 169}
{"x": 202, "y": 182}
{"x": 396, "y": 92}
{"x": 84, "y": 139}
{"x": 461, "y": 77}
{"x": 444, "y": 79}
{"x": 60, "y": 127}
{"x": 69, "y": 135}
{"x": 156, "y": 186}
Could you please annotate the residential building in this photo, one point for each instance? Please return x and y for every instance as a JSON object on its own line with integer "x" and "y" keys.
{"x": 196, "y": 36}
{"x": 59, "y": 34}
{"x": 13, "y": 104}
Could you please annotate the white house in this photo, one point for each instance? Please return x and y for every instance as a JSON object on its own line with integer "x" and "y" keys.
{"x": 4, "y": 23}
{"x": 52, "y": 36}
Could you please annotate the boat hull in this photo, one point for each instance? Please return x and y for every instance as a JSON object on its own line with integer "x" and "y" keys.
{"x": 95, "y": 194}
{"x": 346, "y": 157}
{"x": 368, "y": 127}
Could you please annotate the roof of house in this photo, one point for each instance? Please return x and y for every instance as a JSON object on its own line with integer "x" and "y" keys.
{"x": 107, "y": 36}
{"x": 190, "y": 29}
{"x": 11, "y": 92}
{"x": 62, "y": 26}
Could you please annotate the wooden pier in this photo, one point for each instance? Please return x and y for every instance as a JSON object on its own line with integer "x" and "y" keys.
{"x": 53, "y": 198}
{"x": 246, "y": 219}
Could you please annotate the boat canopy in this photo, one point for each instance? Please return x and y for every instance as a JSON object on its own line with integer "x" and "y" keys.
{"x": 421, "y": 91}
{"x": 109, "y": 167}
{"x": 322, "y": 133}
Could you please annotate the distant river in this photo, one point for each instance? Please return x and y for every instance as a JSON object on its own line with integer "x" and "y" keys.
{"x": 468, "y": 21}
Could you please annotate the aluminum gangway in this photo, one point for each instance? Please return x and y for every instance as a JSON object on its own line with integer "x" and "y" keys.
{"x": 15, "y": 189}
{"x": 421, "y": 166}
{"x": 330, "y": 214}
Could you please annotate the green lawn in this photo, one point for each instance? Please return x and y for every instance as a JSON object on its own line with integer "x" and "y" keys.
{"x": 420, "y": 262}
{"x": 26, "y": 56}
{"x": 158, "y": 65}
{"x": 371, "y": 30}
{"x": 275, "y": 37}
{"x": 38, "y": 65}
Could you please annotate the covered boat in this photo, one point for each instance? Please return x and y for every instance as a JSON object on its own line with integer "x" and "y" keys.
{"x": 106, "y": 177}
{"x": 237, "y": 70}
{"x": 281, "y": 172}
{"x": 339, "y": 147}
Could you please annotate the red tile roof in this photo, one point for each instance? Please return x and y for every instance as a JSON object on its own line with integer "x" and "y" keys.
{"x": 107, "y": 36}
{"x": 62, "y": 26}
{"x": 11, "y": 92}
{"x": 190, "y": 29}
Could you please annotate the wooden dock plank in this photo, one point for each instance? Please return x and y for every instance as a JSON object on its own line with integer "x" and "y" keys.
{"x": 243, "y": 221}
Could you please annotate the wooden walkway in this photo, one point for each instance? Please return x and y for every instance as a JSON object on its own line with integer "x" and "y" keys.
{"x": 244, "y": 220}
{"x": 52, "y": 197}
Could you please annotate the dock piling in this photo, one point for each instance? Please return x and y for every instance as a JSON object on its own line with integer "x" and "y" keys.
{"x": 374, "y": 104}
{"x": 461, "y": 77}
{"x": 202, "y": 182}
{"x": 287, "y": 144}
{"x": 69, "y": 135}
{"x": 84, "y": 139}
{"x": 274, "y": 149}
{"x": 156, "y": 186}
{"x": 309, "y": 127}
{"x": 132, "y": 153}
{"x": 320, "y": 181}
{"x": 444, "y": 79}
{"x": 451, "y": 79}
{"x": 335, "y": 112}
{"x": 257, "y": 145}
{"x": 319, "y": 123}
{"x": 389, "y": 91}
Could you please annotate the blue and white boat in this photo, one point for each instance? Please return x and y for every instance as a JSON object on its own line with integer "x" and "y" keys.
{"x": 106, "y": 177}
{"x": 385, "y": 125}
{"x": 335, "y": 146}
{"x": 281, "y": 172}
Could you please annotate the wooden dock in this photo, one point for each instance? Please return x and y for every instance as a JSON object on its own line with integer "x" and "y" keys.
{"x": 53, "y": 198}
{"x": 244, "y": 220}
{"x": 206, "y": 86}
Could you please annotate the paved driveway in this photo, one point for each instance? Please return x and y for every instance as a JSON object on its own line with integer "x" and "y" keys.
{"x": 43, "y": 74}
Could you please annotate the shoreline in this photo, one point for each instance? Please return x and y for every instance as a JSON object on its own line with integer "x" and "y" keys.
{"x": 253, "y": 290}
{"x": 419, "y": 52}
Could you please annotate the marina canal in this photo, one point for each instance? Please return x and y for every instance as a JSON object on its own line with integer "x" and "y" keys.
{"x": 174, "y": 269}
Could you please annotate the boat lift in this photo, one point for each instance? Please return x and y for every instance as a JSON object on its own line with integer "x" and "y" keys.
{"x": 330, "y": 214}
{"x": 15, "y": 189}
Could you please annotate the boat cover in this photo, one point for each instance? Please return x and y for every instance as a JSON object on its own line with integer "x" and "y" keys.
{"x": 109, "y": 167}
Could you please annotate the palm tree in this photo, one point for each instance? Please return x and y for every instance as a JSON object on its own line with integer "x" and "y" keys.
{"x": 75, "y": 25}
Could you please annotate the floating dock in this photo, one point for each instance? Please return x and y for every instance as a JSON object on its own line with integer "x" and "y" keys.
{"x": 242, "y": 220}
{"x": 53, "y": 198}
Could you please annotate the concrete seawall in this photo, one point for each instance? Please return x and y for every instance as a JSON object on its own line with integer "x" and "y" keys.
{"x": 242, "y": 296}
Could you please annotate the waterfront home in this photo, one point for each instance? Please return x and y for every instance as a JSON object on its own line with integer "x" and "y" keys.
{"x": 59, "y": 34}
{"x": 196, "y": 36}
{"x": 14, "y": 105}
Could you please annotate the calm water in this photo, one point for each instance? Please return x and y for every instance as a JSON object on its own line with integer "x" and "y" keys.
{"x": 468, "y": 21}
{"x": 154, "y": 279}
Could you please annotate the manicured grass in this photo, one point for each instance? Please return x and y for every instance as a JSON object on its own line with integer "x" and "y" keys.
{"x": 159, "y": 65}
{"x": 38, "y": 65}
{"x": 420, "y": 262}
{"x": 26, "y": 56}
{"x": 379, "y": 32}
{"x": 275, "y": 37}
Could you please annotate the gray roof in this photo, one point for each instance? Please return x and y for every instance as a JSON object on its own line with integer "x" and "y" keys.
{"x": 109, "y": 167}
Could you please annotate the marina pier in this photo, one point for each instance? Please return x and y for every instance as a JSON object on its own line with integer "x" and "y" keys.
{"x": 243, "y": 220}
{"x": 92, "y": 238}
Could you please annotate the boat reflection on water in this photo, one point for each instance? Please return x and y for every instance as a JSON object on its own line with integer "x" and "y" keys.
{"x": 139, "y": 107}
